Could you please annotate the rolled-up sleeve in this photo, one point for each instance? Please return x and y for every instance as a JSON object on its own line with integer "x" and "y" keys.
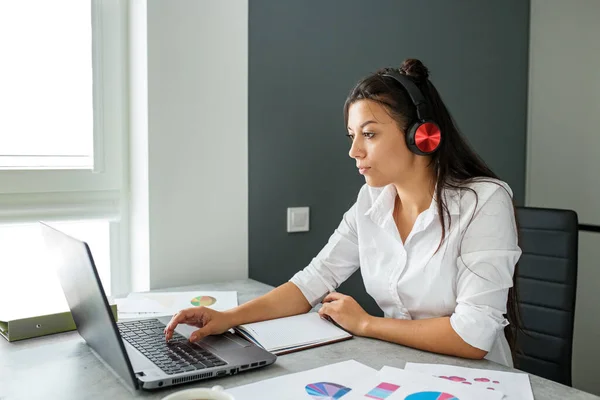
{"x": 338, "y": 259}
{"x": 488, "y": 254}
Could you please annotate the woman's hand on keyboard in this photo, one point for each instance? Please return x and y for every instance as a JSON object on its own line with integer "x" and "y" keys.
{"x": 209, "y": 321}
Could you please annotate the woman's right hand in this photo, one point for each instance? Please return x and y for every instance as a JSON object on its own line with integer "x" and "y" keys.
{"x": 209, "y": 321}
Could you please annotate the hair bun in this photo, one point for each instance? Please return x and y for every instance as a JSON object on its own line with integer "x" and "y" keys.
{"x": 415, "y": 68}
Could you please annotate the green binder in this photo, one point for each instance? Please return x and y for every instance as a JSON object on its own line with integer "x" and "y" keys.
{"x": 25, "y": 326}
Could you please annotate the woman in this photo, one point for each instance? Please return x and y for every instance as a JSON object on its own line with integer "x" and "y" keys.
{"x": 433, "y": 232}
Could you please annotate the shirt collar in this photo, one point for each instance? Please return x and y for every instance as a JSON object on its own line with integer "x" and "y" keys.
{"x": 383, "y": 203}
{"x": 452, "y": 200}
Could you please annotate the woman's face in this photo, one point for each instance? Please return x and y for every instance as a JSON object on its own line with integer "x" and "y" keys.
{"x": 378, "y": 145}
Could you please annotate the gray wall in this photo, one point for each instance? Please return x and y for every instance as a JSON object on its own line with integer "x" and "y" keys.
{"x": 304, "y": 57}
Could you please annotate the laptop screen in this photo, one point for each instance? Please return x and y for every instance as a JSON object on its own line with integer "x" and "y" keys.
{"x": 73, "y": 262}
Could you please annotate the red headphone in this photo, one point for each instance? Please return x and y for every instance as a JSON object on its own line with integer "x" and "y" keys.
{"x": 423, "y": 136}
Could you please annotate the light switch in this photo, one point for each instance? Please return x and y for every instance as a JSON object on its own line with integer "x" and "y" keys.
{"x": 298, "y": 219}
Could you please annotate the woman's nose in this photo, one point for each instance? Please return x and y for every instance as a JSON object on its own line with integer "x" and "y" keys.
{"x": 355, "y": 149}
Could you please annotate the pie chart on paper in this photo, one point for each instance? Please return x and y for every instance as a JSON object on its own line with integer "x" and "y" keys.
{"x": 431, "y": 396}
{"x": 326, "y": 391}
{"x": 203, "y": 301}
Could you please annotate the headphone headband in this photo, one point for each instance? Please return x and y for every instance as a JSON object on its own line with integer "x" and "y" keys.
{"x": 423, "y": 137}
{"x": 415, "y": 94}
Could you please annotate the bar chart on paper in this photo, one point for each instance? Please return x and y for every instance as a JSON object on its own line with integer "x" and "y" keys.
{"x": 382, "y": 391}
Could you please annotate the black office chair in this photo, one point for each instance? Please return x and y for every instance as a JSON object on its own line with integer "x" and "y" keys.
{"x": 547, "y": 280}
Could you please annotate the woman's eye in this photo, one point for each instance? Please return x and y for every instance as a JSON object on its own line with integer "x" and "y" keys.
{"x": 368, "y": 135}
{"x": 350, "y": 137}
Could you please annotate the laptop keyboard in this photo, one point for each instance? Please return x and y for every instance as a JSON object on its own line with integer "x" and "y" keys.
{"x": 178, "y": 355}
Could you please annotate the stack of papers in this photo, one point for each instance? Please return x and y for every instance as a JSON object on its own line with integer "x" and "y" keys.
{"x": 156, "y": 304}
{"x": 351, "y": 380}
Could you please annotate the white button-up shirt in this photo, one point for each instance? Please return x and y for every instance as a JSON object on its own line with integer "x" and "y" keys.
{"x": 467, "y": 278}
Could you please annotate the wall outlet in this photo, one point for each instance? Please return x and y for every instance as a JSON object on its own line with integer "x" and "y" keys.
{"x": 297, "y": 219}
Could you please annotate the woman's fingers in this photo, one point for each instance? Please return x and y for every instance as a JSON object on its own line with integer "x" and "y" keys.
{"x": 199, "y": 334}
{"x": 332, "y": 297}
{"x": 182, "y": 317}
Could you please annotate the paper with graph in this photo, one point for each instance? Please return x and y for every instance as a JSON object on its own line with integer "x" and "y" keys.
{"x": 351, "y": 380}
{"x": 334, "y": 381}
{"x": 515, "y": 386}
{"x": 168, "y": 303}
{"x": 398, "y": 384}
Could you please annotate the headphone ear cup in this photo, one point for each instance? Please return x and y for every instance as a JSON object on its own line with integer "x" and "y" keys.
{"x": 410, "y": 138}
{"x": 423, "y": 138}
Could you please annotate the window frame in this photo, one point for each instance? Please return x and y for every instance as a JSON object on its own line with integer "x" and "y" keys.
{"x": 57, "y": 194}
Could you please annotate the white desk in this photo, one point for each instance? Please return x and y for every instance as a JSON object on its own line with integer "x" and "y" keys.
{"x": 62, "y": 366}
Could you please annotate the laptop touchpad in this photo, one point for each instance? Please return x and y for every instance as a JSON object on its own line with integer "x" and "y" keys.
{"x": 224, "y": 342}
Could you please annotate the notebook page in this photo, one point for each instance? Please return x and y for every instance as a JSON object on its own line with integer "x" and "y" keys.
{"x": 293, "y": 331}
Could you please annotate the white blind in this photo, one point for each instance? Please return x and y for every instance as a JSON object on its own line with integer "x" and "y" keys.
{"x": 46, "y": 97}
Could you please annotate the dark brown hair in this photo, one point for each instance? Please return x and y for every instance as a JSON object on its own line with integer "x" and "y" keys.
{"x": 455, "y": 163}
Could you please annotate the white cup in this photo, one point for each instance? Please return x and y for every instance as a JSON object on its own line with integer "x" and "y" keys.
{"x": 215, "y": 393}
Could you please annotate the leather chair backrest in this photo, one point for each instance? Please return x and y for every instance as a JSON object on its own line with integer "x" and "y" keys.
{"x": 547, "y": 281}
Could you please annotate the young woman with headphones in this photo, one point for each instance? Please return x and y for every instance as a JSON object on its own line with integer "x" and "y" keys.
{"x": 432, "y": 231}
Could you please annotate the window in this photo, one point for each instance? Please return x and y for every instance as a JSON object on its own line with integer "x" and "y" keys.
{"x": 46, "y": 97}
{"x": 63, "y": 134}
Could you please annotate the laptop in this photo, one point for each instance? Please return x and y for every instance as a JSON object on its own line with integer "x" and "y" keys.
{"x": 135, "y": 350}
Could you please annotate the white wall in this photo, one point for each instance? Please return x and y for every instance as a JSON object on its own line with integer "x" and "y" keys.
{"x": 564, "y": 148}
{"x": 195, "y": 189}
{"x": 138, "y": 146}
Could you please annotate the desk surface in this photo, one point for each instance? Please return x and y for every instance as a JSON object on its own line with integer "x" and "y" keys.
{"x": 62, "y": 366}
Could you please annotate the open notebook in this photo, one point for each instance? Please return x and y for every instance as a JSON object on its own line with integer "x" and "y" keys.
{"x": 289, "y": 334}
